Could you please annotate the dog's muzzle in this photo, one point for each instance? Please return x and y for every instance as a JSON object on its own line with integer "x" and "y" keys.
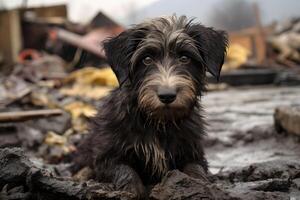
{"x": 166, "y": 94}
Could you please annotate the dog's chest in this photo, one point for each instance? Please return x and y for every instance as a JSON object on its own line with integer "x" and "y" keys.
{"x": 158, "y": 155}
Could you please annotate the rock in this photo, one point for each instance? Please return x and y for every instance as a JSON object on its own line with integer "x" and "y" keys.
{"x": 9, "y": 140}
{"x": 14, "y": 193}
{"x": 29, "y": 136}
{"x": 287, "y": 118}
{"x": 9, "y": 136}
{"x": 47, "y": 187}
{"x": 297, "y": 183}
{"x": 57, "y": 124}
{"x": 14, "y": 166}
{"x": 177, "y": 185}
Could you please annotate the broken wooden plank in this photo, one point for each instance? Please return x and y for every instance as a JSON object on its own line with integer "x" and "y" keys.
{"x": 10, "y": 34}
{"x": 17, "y": 116}
{"x": 76, "y": 40}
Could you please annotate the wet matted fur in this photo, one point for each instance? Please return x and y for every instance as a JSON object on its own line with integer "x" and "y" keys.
{"x": 153, "y": 122}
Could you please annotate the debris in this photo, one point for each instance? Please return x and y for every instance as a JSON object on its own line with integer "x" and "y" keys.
{"x": 93, "y": 76}
{"x": 43, "y": 99}
{"x": 9, "y": 137}
{"x": 58, "y": 124}
{"x": 80, "y": 112}
{"x": 247, "y": 46}
{"x": 217, "y": 87}
{"x": 44, "y": 67}
{"x": 237, "y": 55}
{"x": 16, "y": 193}
{"x": 287, "y": 42}
{"x": 12, "y": 89}
{"x": 76, "y": 40}
{"x": 14, "y": 166}
{"x": 17, "y": 116}
{"x": 78, "y": 109}
{"x": 287, "y": 118}
{"x": 55, "y": 139}
{"x": 90, "y": 83}
{"x": 86, "y": 91}
{"x": 59, "y": 146}
{"x": 30, "y": 137}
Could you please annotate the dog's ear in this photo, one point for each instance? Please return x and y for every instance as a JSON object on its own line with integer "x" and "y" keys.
{"x": 118, "y": 51}
{"x": 212, "y": 45}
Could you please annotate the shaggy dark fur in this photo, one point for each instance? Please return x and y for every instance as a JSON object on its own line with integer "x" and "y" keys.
{"x": 153, "y": 122}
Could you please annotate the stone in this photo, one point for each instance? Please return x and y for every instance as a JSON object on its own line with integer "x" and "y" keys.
{"x": 14, "y": 166}
{"x": 9, "y": 136}
{"x": 287, "y": 118}
{"x": 57, "y": 124}
{"x": 30, "y": 137}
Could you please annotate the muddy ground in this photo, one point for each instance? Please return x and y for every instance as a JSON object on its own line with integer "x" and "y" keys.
{"x": 248, "y": 157}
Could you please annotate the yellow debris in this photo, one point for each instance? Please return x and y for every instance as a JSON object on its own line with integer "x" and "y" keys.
{"x": 78, "y": 109}
{"x": 236, "y": 56}
{"x": 55, "y": 139}
{"x": 93, "y": 76}
{"x": 90, "y": 82}
{"x": 86, "y": 91}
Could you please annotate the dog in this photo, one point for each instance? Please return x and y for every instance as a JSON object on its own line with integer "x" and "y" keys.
{"x": 152, "y": 123}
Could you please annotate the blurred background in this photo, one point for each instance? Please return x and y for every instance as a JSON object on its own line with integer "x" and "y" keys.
{"x": 53, "y": 72}
{"x": 263, "y": 33}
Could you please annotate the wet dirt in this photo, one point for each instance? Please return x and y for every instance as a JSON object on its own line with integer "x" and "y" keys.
{"x": 247, "y": 156}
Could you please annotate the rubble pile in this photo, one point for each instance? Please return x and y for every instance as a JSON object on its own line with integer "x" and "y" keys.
{"x": 286, "y": 41}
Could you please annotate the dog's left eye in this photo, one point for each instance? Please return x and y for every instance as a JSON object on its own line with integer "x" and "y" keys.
{"x": 148, "y": 60}
{"x": 184, "y": 59}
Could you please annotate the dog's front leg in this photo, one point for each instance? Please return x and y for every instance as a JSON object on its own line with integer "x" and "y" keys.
{"x": 195, "y": 170}
{"x": 123, "y": 177}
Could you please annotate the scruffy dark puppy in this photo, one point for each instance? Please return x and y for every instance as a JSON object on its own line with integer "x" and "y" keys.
{"x": 152, "y": 123}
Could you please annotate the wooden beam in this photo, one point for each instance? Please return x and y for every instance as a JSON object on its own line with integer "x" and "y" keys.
{"x": 19, "y": 116}
{"x": 10, "y": 34}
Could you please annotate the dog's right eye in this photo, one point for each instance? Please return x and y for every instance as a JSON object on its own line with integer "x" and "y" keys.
{"x": 148, "y": 60}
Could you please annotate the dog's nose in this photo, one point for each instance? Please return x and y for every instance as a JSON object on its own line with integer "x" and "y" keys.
{"x": 166, "y": 94}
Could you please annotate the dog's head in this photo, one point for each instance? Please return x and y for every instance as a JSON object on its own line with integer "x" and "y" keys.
{"x": 164, "y": 61}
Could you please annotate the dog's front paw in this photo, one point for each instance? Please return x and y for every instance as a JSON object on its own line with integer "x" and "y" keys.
{"x": 126, "y": 179}
{"x": 137, "y": 189}
{"x": 196, "y": 171}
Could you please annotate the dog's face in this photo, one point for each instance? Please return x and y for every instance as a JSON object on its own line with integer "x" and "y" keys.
{"x": 164, "y": 61}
